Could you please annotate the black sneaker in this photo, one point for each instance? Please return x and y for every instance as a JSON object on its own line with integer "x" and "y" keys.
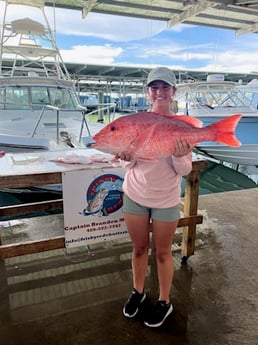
{"x": 131, "y": 306}
{"x": 159, "y": 314}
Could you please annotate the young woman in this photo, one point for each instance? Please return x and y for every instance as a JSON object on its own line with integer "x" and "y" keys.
{"x": 152, "y": 193}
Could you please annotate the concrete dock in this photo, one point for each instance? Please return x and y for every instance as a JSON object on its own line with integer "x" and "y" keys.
{"x": 76, "y": 298}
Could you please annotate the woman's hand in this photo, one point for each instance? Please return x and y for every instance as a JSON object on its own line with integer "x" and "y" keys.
{"x": 124, "y": 156}
{"x": 182, "y": 148}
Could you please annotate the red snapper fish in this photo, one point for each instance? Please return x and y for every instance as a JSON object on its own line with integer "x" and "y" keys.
{"x": 149, "y": 136}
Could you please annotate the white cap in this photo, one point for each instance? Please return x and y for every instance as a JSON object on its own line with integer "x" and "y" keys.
{"x": 163, "y": 74}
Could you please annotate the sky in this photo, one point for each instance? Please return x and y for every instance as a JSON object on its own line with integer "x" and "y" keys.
{"x": 114, "y": 40}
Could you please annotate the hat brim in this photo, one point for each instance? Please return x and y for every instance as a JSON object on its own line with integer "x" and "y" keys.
{"x": 163, "y": 79}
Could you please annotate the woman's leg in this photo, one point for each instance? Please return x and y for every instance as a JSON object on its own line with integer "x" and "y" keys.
{"x": 138, "y": 228}
{"x": 163, "y": 235}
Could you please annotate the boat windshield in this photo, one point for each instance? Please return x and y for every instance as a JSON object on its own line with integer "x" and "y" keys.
{"x": 35, "y": 97}
{"x": 217, "y": 96}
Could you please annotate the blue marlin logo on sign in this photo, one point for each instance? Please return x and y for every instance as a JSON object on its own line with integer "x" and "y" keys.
{"x": 104, "y": 195}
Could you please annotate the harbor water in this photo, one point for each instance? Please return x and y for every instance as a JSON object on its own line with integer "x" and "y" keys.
{"x": 219, "y": 178}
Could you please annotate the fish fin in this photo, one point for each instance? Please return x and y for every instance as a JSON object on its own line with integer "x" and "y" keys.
{"x": 225, "y": 130}
{"x": 189, "y": 119}
{"x": 185, "y": 118}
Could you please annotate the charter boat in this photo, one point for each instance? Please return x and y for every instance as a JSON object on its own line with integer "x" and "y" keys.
{"x": 213, "y": 100}
{"x": 39, "y": 105}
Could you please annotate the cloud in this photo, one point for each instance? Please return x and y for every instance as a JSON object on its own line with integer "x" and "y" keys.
{"x": 91, "y": 54}
{"x": 237, "y": 61}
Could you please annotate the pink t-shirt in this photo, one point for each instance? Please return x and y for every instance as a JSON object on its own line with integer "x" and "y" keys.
{"x": 156, "y": 183}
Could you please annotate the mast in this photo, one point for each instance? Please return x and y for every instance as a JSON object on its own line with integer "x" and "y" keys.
{"x": 35, "y": 51}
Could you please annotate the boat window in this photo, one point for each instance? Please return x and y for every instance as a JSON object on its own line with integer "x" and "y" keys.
{"x": 25, "y": 97}
{"x": 39, "y": 97}
{"x": 56, "y": 96}
{"x": 14, "y": 97}
{"x": 62, "y": 98}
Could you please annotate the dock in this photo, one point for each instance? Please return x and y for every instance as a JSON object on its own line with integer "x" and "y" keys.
{"x": 76, "y": 296}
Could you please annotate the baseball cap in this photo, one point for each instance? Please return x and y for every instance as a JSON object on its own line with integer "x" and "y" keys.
{"x": 163, "y": 74}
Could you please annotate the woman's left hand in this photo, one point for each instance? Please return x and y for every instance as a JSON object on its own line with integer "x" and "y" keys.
{"x": 124, "y": 156}
{"x": 182, "y": 148}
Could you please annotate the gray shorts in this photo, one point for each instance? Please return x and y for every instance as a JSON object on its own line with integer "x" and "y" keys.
{"x": 169, "y": 214}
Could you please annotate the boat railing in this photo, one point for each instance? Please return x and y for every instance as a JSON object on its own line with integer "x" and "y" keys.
{"x": 79, "y": 108}
{"x": 110, "y": 109}
{"x": 40, "y": 117}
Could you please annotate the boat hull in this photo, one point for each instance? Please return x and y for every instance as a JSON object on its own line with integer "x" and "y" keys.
{"x": 213, "y": 100}
{"x": 246, "y": 132}
{"x": 243, "y": 155}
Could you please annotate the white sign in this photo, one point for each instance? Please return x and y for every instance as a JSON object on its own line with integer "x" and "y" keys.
{"x": 93, "y": 201}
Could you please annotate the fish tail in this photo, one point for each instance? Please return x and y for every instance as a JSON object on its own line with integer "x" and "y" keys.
{"x": 224, "y": 130}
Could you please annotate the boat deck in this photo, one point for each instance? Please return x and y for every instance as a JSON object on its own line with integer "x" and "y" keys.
{"x": 76, "y": 297}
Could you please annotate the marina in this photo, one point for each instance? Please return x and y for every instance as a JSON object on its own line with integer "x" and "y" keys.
{"x": 51, "y": 293}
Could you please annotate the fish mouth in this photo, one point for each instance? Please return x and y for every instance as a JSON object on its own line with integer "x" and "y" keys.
{"x": 98, "y": 141}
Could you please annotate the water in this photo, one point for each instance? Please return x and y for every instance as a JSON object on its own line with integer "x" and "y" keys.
{"x": 223, "y": 178}
{"x": 250, "y": 171}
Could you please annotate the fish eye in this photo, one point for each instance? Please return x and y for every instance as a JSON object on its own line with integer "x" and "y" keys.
{"x": 112, "y": 128}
